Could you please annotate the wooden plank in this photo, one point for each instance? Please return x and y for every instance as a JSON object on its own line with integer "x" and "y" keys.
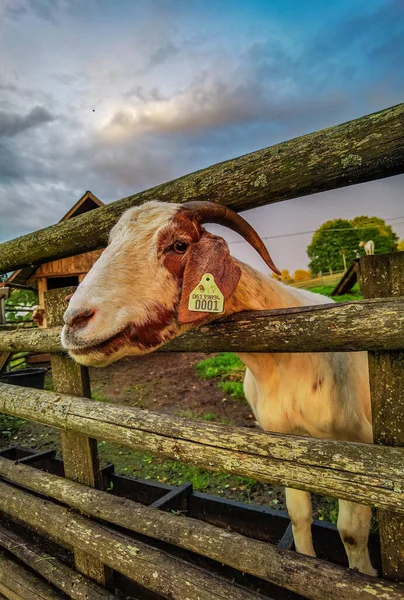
{"x": 18, "y": 582}
{"x": 383, "y": 277}
{"x": 348, "y": 280}
{"x": 340, "y": 327}
{"x": 163, "y": 574}
{"x": 368, "y": 148}
{"x": 42, "y": 288}
{"x": 4, "y": 358}
{"x": 364, "y": 473}
{"x": 75, "y": 585}
{"x": 80, "y": 453}
{"x": 314, "y": 578}
{"x": 72, "y": 265}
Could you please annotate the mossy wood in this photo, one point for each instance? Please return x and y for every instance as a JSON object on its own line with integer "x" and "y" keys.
{"x": 76, "y": 586}
{"x": 80, "y": 452}
{"x": 383, "y": 277}
{"x": 313, "y": 579}
{"x": 163, "y": 574}
{"x": 18, "y": 583}
{"x": 351, "y": 471}
{"x": 368, "y": 148}
{"x": 363, "y": 325}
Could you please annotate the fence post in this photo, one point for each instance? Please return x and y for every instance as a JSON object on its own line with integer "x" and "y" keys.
{"x": 383, "y": 277}
{"x": 80, "y": 453}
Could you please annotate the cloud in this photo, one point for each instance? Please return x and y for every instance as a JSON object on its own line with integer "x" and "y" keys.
{"x": 173, "y": 87}
{"x": 12, "y": 124}
{"x": 48, "y": 10}
{"x": 216, "y": 104}
{"x": 10, "y": 165}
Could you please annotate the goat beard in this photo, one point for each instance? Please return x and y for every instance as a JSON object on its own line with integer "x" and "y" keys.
{"x": 134, "y": 340}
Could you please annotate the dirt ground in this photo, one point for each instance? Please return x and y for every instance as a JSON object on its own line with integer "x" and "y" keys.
{"x": 168, "y": 383}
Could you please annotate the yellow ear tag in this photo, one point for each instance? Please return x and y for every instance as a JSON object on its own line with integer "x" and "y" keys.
{"x": 206, "y": 297}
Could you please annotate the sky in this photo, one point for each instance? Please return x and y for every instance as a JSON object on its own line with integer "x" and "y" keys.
{"x": 117, "y": 97}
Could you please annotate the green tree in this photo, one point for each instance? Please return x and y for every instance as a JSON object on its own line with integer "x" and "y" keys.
{"x": 340, "y": 236}
{"x": 376, "y": 229}
{"x": 400, "y": 246}
{"x": 329, "y": 241}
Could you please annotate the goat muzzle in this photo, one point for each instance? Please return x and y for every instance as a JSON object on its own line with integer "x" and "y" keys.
{"x": 209, "y": 212}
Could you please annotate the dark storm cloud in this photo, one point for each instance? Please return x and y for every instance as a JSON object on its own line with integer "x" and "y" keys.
{"x": 10, "y": 165}
{"x": 12, "y": 124}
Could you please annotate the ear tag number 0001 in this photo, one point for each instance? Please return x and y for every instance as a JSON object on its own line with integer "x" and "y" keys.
{"x": 206, "y": 297}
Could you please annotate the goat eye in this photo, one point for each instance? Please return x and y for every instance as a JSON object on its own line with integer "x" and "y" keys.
{"x": 180, "y": 247}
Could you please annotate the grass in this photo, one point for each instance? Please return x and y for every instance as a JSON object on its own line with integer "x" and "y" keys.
{"x": 326, "y": 290}
{"x": 143, "y": 465}
{"x": 228, "y": 369}
{"x": 9, "y": 425}
{"x": 99, "y": 397}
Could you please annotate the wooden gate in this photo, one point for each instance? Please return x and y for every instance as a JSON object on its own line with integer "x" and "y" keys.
{"x": 113, "y": 539}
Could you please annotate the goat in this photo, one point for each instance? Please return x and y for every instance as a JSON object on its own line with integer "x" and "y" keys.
{"x": 136, "y": 297}
{"x": 368, "y": 246}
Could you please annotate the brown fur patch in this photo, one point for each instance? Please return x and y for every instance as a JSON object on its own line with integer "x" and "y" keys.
{"x": 181, "y": 228}
{"x": 151, "y": 334}
{"x": 348, "y": 539}
{"x": 207, "y": 253}
{"x": 210, "y": 255}
{"x": 148, "y": 335}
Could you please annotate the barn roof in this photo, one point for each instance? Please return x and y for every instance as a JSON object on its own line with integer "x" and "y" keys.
{"x": 87, "y": 202}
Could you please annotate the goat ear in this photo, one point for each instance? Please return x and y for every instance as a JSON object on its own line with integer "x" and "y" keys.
{"x": 209, "y": 255}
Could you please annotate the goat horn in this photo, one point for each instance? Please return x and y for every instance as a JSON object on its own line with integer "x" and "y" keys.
{"x": 209, "y": 212}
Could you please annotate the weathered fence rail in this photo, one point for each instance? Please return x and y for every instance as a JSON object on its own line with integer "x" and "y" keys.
{"x": 360, "y": 472}
{"x": 368, "y": 148}
{"x": 315, "y": 579}
{"x": 51, "y": 568}
{"x": 362, "y": 325}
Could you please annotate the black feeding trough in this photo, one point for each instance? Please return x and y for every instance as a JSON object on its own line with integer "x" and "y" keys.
{"x": 33, "y": 377}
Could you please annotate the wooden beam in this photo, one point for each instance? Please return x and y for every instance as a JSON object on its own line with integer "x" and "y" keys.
{"x": 153, "y": 569}
{"x": 42, "y": 289}
{"x": 76, "y": 586}
{"x": 314, "y": 579}
{"x": 368, "y": 148}
{"x": 383, "y": 277}
{"x": 351, "y": 471}
{"x": 80, "y": 452}
{"x": 342, "y": 327}
{"x": 17, "y": 582}
{"x": 4, "y": 358}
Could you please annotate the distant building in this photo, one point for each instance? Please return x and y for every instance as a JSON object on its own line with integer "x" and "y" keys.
{"x": 66, "y": 271}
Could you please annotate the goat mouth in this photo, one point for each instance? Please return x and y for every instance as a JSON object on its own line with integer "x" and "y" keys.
{"x": 108, "y": 346}
{"x": 134, "y": 338}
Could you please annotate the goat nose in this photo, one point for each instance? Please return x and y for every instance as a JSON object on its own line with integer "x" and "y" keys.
{"x": 78, "y": 318}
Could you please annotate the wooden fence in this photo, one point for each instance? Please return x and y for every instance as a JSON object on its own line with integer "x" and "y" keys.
{"x": 76, "y": 513}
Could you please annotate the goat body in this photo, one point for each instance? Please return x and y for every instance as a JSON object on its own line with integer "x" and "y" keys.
{"x": 369, "y": 247}
{"x": 164, "y": 252}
